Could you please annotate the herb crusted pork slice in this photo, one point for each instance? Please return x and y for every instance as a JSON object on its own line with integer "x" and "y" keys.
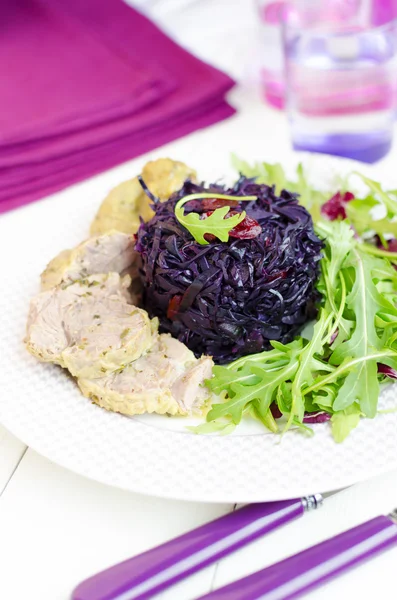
{"x": 89, "y": 326}
{"x": 166, "y": 379}
{"x": 114, "y": 349}
{"x": 107, "y": 253}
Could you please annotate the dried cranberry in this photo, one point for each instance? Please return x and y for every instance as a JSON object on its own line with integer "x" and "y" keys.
{"x": 246, "y": 230}
{"x": 173, "y": 307}
{"x": 335, "y": 207}
{"x": 214, "y": 203}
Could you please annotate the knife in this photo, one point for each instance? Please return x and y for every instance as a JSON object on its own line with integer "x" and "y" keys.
{"x": 298, "y": 574}
{"x": 142, "y": 576}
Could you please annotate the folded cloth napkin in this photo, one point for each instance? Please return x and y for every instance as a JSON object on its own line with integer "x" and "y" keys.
{"x": 87, "y": 85}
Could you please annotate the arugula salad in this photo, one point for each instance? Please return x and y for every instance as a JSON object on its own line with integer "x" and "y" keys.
{"x": 336, "y": 371}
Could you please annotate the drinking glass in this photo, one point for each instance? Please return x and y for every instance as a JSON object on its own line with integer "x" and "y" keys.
{"x": 272, "y": 61}
{"x": 271, "y": 15}
{"x": 341, "y": 86}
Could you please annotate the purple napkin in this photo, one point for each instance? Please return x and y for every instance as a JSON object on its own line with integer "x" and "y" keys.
{"x": 87, "y": 85}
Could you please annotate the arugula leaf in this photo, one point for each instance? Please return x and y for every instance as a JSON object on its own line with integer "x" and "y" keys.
{"x": 339, "y": 238}
{"x": 270, "y": 174}
{"x": 363, "y": 300}
{"x": 325, "y": 397}
{"x": 274, "y": 174}
{"x": 389, "y": 202}
{"x": 339, "y": 242}
{"x": 268, "y": 356}
{"x": 304, "y": 428}
{"x": 309, "y": 197}
{"x": 348, "y": 365}
{"x": 262, "y": 392}
{"x": 304, "y": 374}
{"x": 284, "y": 397}
{"x": 362, "y": 386}
{"x": 360, "y": 212}
{"x": 265, "y": 417}
{"x": 215, "y": 224}
{"x": 224, "y": 377}
{"x": 344, "y": 422}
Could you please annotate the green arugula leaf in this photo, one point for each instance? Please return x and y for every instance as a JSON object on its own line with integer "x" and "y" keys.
{"x": 284, "y": 397}
{"x": 384, "y": 197}
{"x": 216, "y": 224}
{"x": 265, "y": 416}
{"x": 270, "y": 174}
{"x": 274, "y": 174}
{"x": 268, "y": 356}
{"x": 224, "y": 377}
{"x": 325, "y": 397}
{"x": 339, "y": 242}
{"x": 347, "y": 365}
{"x": 374, "y": 251}
{"x": 304, "y": 373}
{"x": 361, "y": 386}
{"x": 364, "y": 302}
{"x": 309, "y": 197}
{"x": 376, "y": 316}
{"x": 339, "y": 238}
{"x": 359, "y": 213}
{"x": 304, "y": 428}
{"x": 262, "y": 391}
{"x": 344, "y": 422}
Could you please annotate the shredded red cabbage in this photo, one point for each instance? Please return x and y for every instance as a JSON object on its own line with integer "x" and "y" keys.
{"x": 317, "y": 417}
{"x": 320, "y": 416}
{"x": 229, "y": 299}
{"x": 385, "y": 370}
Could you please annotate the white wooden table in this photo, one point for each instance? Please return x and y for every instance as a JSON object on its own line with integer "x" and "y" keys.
{"x": 57, "y": 528}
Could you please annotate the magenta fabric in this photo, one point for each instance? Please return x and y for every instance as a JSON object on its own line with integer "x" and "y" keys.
{"x": 87, "y": 85}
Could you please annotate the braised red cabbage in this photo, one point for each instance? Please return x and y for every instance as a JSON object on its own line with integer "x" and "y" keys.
{"x": 229, "y": 299}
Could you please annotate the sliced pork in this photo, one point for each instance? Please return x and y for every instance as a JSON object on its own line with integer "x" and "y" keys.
{"x": 89, "y": 326}
{"x": 166, "y": 379}
{"x": 110, "y": 252}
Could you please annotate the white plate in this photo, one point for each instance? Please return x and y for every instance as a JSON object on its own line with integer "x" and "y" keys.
{"x": 152, "y": 454}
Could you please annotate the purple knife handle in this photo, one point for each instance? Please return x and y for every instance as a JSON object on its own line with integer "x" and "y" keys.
{"x": 155, "y": 570}
{"x": 302, "y": 572}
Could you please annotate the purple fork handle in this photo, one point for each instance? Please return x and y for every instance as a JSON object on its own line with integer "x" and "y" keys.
{"x": 144, "y": 575}
{"x": 302, "y": 572}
